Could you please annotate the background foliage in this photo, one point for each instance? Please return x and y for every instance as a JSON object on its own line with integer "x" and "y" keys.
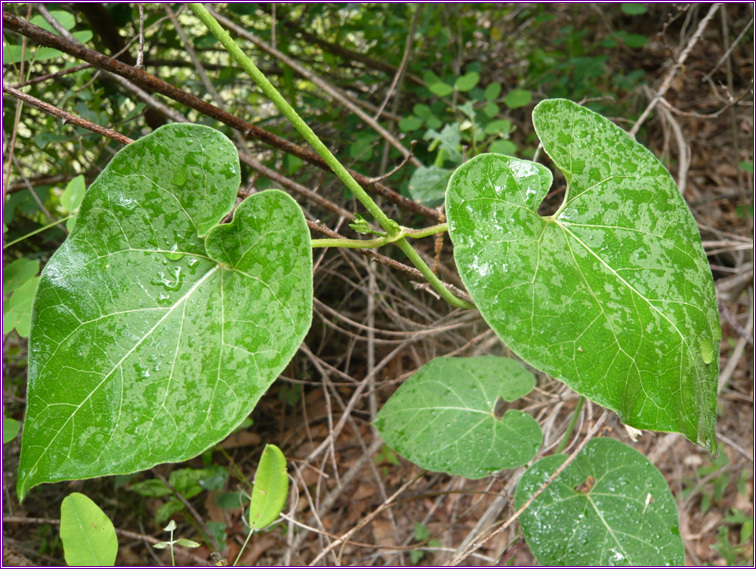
{"x": 470, "y": 79}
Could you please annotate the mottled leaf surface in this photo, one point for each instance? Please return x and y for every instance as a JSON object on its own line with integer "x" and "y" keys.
{"x": 450, "y": 417}
{"x": 611, "y": 506}
{"x": 155, "y": 331}
{"x": 613, "y": 293}
{"x": 70, "y": 199}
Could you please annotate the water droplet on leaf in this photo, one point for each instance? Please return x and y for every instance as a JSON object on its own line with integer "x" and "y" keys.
{"x": 173, "y": 255}
{"x": 172, "y": 282}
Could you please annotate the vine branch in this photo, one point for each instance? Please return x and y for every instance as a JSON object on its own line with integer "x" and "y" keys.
{"x": 320, "y": 82}
{"x": 312, "y": 139}
{"x": 147, "y": 81}
{"x": 66, "y": 116}
{"x": 253, "y": 162}
{"x": 385, "y": 240}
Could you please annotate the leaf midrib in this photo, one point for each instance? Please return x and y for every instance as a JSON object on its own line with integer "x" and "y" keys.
{"x": 622, "y": 280}
{"x": 120, "y": 362}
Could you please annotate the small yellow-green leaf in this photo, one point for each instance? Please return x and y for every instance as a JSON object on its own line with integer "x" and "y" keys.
{"x": 409, "y": 124}
{"x": 633, "y": 9}
{"x": 71, "y": 198}
{"x": 270, "y": 489}
{"x": 87, "y": 534}
{"x": 492, "y": 92}
{"x": 17, "y": 311}
{"x": 501, "y": 126}
{"x": 517, "y": 98}
{"x": 10, "y": 429}
{"x": 440, "y": 89}
{"x": 17, "y": 273}
{"x": 467, "y": 81}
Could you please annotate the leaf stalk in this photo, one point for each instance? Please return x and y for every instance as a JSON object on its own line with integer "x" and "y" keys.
{"x": 379, "y": 242}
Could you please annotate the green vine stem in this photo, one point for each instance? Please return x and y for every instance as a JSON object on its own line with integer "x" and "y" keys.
{"x": 243, "y": 547}
{"x": 571, "y": 426}
{"x": 40, "y": 230}
{"x": 379, "y": 242}
{"x": 391, "y": 227}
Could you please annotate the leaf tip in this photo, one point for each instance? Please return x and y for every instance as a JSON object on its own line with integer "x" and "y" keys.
{"x": 23, "y": 486}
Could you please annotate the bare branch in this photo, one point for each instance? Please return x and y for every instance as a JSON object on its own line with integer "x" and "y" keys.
{"x": 150, "y": 82}
{"x": 320, "y": 82}
{"x": 66, "y": 116}
{"x": 675, "y": 68}
{"x": 479, "y": 543}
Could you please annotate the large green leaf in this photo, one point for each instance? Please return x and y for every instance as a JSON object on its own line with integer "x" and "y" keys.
{"x": 612, "y": 294}
{"x": 88, "y": 536}
{"x": 148, "y": 342}
{"x": 611, "y": 506}
{"x": 449, "y": 417}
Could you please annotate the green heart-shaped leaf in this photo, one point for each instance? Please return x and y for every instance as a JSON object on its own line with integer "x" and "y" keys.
{"x": 449, "y": 417}
{"x": 148, "y": 342}
{"x": 612, "y": 294}
{"x": 611, "y": 506}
